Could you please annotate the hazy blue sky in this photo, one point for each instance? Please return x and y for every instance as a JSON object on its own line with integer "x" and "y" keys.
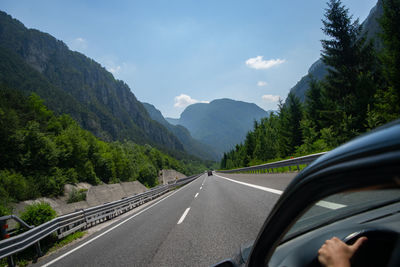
{"x": 172, "y": 53}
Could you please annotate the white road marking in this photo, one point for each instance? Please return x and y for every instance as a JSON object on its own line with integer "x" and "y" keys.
{"x": 275, "y": 191}
{"x": 205, "y": 178}
{"x": 183, "y": 216}
{"x": 109, "y": 230}
{"x": 201, "y": 187}
{"x": 322, "y": 203}
{"x": 196, "y": 195}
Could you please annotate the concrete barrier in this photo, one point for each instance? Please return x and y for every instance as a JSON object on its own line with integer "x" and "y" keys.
{"x": 95, "y": 195}
{"x": 168, "y": 176}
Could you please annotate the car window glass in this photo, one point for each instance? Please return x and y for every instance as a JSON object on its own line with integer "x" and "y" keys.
{"x": 339, "y": 206}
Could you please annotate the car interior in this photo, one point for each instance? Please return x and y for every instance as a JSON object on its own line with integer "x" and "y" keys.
{"x": 378, "y": 219}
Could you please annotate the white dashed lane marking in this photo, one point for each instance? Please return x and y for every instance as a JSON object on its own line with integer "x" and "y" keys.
{"x": 183, "y": 216}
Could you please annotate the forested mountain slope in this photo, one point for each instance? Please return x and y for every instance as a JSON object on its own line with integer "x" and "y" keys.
{"x": 40, "y": 152}
{"x": 360, "y": 91}
{"x": 70, "y": 82}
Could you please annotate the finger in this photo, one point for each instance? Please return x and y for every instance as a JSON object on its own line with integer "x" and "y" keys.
{"x": 358, "y": 243}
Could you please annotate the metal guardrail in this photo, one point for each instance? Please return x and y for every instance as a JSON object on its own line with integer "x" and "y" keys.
{"x": 269, "y": 167}
{"x": 82, "y": 219}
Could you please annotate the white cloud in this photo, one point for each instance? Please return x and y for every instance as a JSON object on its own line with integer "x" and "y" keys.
{"x": 258, "y": 63}
{"x": 183, "y": 101}
{"x": 79, "y": 44}
{"x": 271, "y": 98}
{"x": 261, "y": 83}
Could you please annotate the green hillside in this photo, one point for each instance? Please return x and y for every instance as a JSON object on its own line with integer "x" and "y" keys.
{"x": 69, "y": 82}
{"x": 40, "y": 152}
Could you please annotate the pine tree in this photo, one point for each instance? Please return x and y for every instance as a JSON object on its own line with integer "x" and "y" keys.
{"x": 350, "y": 83}
{"x": 313, "y": 105}
{"x": 390, "y": 23}
{"x": 290, "y": 115}
{"x": 387, "y": 106}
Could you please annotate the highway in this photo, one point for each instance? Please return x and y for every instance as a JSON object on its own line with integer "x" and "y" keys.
{"x": 196, "y": 225}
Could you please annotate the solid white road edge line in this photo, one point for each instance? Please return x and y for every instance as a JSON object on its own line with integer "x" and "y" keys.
{"x": 322, "y": 203}
{"x": 196, "y": 195}
{"x": 109, "y": 230}
{"x": 183, "y": 216}
{"x": 275, "y": 191}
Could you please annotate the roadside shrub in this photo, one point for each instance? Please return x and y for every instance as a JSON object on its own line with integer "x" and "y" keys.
{"x": 77, "y": 195}
{"x": 14, "y": 184}
{"x": 148, "y": 175}
{"x": 38, "y": 213}
{"x": 4, "y": 210}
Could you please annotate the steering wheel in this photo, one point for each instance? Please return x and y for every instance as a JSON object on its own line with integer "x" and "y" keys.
{"x": 381, "y": 249}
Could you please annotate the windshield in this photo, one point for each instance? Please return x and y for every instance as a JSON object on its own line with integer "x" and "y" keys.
{"x": 164, "y": 133}
{"x": 339, "y": 206}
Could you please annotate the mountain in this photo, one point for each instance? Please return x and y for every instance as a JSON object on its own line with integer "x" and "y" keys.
{"x": 222, "y": 123}
{"x": 70, "y": 82}
{"x": 318, "y": 69}
{"x": 190, "y": 145}
{"x": 172, "y": 121}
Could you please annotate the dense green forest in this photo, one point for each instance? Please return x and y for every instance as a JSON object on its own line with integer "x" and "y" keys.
{"x": 41, "y": 152}
{"x": 360, "y": 92}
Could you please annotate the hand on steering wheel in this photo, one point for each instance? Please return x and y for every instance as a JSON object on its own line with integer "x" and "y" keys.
{"x": 336, "y": 253}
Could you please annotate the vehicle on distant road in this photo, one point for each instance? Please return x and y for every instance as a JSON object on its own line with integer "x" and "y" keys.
{"x": 209, "y": 173}
{"x": 352, "y": 191}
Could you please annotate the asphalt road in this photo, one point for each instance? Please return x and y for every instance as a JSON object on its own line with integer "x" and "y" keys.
{"x": 200, "y": 224}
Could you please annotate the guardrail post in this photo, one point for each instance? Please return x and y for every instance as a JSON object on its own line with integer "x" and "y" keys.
{"x": 298, "y": 167}
{"x": 4, "y": 235}
{"x": 10, "y": 261}
{"x": 38, "y": 250}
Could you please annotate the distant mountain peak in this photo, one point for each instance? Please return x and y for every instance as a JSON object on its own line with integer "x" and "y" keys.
{"x": 222, "y": 123}
{"x": 191, "y": 145}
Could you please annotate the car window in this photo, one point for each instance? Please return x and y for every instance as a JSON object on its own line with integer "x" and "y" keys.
{"x": 340, "y": 206}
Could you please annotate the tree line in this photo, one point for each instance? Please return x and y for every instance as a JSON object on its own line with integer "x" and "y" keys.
{"x": 40, "y": 152}
{"x": 360, "y": 92}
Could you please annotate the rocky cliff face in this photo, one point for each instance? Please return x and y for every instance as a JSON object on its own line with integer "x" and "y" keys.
{"x": 103, "y": 105}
